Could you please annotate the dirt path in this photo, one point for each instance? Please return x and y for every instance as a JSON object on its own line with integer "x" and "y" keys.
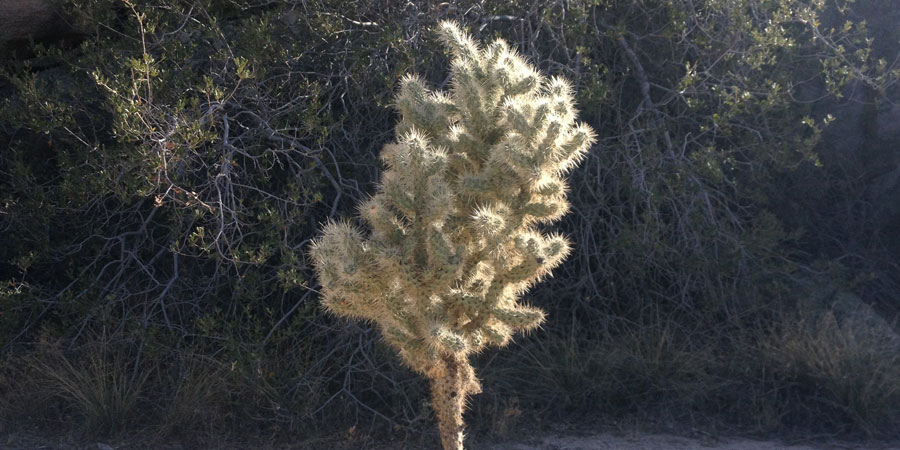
{"x": 667, "y": 442}
{"x": 562, "y": 440}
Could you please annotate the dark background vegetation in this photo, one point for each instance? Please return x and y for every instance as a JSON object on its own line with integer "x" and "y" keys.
{"x": 164, "y": 165}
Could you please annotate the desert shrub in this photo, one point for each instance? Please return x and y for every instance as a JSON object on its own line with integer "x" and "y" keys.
{"x": 161, "y": 178}
{"x": 678, "y": 211}
{"x": 167, "y": 173}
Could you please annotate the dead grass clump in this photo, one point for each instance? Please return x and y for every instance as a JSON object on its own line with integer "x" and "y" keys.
{"x": 640, "y": 367}
{"x": 839, "y": 371}
{"x": 101, "y": 381}
{"x": 198, "y": 394}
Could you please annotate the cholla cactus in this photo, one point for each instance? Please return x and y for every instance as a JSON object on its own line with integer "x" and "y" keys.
{"x": 453, "y": 240}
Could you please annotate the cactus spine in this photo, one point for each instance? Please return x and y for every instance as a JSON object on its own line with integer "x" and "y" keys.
{"x": 452, "y": 239}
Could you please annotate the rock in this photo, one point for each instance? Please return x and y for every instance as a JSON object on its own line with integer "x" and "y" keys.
{"x": 888, "y": 123}
{"x": 853, "y": 313}
{"x": 27, "y": 19}
{"x": 23, "y": 21}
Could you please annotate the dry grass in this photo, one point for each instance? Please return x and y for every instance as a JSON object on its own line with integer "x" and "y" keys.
{"x": 101, "y": 381}
{"x": 847, "y": 370}
{"x": 199, "y": 394}
{"x": 638, "y": 367}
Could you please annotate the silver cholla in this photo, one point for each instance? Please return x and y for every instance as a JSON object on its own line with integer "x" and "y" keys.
{"x": 452, "y": 242}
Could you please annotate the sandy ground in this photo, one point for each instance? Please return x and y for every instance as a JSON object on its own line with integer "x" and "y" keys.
{"x": 667, "y": 442}
{"x": 563, "y": 440}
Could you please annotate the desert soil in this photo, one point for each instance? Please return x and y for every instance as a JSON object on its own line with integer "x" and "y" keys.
{"x": 562, "y": 440}
{"x": 640, "y": 441}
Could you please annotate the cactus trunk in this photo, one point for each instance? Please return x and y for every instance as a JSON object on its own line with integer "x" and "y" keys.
{"x": 449, "y": 393}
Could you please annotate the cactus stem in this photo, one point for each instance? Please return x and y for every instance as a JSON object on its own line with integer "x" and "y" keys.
{"x": 449, "y": 393}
